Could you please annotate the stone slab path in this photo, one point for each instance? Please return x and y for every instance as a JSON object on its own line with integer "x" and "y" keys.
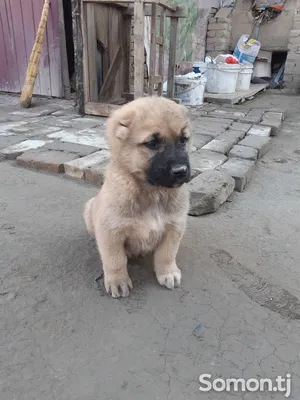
{"x": 51, "y": 137}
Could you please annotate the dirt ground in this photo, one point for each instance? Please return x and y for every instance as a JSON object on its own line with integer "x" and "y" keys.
{"x": 236, "y": 314}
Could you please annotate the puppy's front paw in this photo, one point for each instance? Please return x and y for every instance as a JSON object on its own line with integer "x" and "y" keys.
{"x": 118, "y": 286}
{"x": 170, "y": 280}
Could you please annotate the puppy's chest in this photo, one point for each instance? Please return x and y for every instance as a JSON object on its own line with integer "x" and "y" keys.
{"x": 144, "y": 233}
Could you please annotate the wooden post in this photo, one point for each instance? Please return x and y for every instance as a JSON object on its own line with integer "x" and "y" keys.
{"x": 161, "y": 52}
{"x": 63, "y": 51}
{"x": 126, "y": 52}
{"x": 78, "y": 54}
{"x": 172, "y": 57}
{"x": 138, "y": 48}
{"x": 152, "y": 49}
{"x": 92, "y": 52}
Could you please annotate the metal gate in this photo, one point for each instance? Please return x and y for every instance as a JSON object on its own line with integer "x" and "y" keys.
{"x": 19, "y": 20}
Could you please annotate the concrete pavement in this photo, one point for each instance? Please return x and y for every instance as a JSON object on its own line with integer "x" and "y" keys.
{"x": 236, "y": 314}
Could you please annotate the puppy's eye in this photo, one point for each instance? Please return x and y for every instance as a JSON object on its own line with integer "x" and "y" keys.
{"x": 152, "y": 144}
{"x": 183, "y": 139}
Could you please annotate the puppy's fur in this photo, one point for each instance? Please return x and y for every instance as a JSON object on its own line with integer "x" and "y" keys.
{"x": 142, "y": 206}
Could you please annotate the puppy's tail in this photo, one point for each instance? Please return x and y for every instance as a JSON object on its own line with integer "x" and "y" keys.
{"x": 88, "y": 217}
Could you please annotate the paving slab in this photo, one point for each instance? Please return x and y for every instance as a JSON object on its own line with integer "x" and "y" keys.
{"x": 274, "y": 120}
{"x": 216, "y": 120}
{"x": 60, "y": 122}
{"x": 247, "y": 153}
{"x": 226, "y": 114}
{"x": 208, "y": 131}
{"x": 239, "y": 126}
{"x": 59, "y": 113}
{"x": 35, "y": 112}
{"x": 209, "y": 191}
{"x": 77, "y": 168}
{"x": 261, "y": 143}
{"x": 219, "y": 146}
{"x": 16, "y": 150}
{"x": 46, "y": 160}
{"x": 205, "y": 160}
{"x": 94, "y": 138}
{"x": 282, "y": 111}
{"x": 80, "y": 149}
{"x": 253, "y": 116}
{"x": 231, "y": 136}
{"x": 200, "y": 140}
{"x": 240, "y": 170}
{"x": 6, "y": 141}
{"x": 36, "y": 129}
{"x": 96, "y": 173}
{"x": 260, "y": 130}
{"x": 9, "y": 127}
{"x": 236, "y": 97}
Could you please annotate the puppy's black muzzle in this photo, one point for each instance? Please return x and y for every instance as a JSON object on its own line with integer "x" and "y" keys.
{"x": 170, "y": 167}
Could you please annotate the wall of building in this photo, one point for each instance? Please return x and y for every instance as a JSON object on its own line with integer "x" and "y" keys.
{"x": 274, "y": 35}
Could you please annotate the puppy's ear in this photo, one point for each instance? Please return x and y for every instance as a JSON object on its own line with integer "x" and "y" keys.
{"x": 124, "y": 124}
{"x": 184, "y": 110}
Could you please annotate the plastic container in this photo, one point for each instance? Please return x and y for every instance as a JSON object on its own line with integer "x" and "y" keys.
{"x": 247, "y": 51}
{"x": 190, "y": 91}
{"x": 222, "y": 78}
{"x": 244, "y": 78}
{"x": 200, "y": 66}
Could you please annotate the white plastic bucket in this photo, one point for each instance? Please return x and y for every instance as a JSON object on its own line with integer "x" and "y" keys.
{"x": 222, "y": 78}
{"x": 189, "y": 91}
{"x": 244, "y": 78}
{"x": 200, "y": 66}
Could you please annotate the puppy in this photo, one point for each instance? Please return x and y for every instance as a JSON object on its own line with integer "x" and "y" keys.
{"x": 143, "y": 203}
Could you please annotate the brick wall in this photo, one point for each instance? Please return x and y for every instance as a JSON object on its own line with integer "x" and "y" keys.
{"x": 292, "y": 66}
{"x": 219, "y": 33}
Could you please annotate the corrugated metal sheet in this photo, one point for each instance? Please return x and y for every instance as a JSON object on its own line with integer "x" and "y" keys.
{"x": 19, "y": 20}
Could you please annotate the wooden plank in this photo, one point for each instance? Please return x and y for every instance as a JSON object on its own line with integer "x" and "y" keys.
{"x": 157, "y": 79}
{"x": 138, "y": 24}
{"x": 152, "y": 50}
{"x": 102, "y": 35}
{"x": 45, "y": 60}
{"x": 100, "y": 109}
{"x": 78, "y": 18}
{"x": 159, "y": 40}
{"x": 63, "y": 50}
{"x": 112, "y": 72}
{"x": 53, "y": 47}
{"x": 118, "y": 102}
{"x": 92, "y": 52}
{"x": 236, "y": 97}
{"x": 110, "y": 2}
{"x": 172, "y": 57}
{"x": 115, "y": 40}
{"x": 164, "y": 4}
{"x": 180, "y": 12}
{"x": 126, "y": 52}
{"x": 128, "y": 96}
{"x": 161, "y": 54}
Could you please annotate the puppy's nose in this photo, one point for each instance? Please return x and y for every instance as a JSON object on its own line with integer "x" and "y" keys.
{"x": 179, "y": 170}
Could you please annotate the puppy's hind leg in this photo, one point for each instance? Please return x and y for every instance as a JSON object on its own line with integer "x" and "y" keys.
{"x": 167, "y": 272}
{"x": 88, "y": 217}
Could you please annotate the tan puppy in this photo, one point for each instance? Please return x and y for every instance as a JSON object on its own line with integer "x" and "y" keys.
{"x": 142, "y": 206}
